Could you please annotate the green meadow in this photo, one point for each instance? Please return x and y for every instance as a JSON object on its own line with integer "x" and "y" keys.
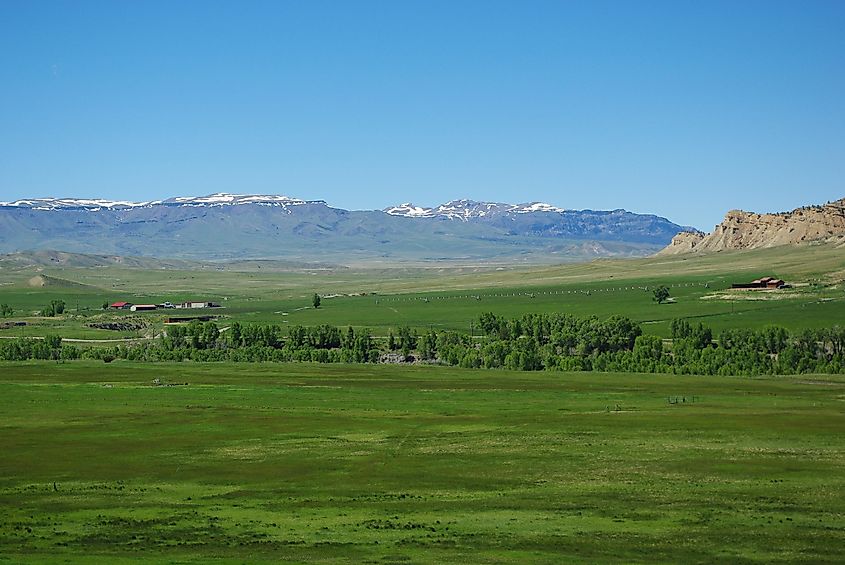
{"x": 249, "y": 463}
{"x": 446, "y": 297}
{"x": 384, "y": 464}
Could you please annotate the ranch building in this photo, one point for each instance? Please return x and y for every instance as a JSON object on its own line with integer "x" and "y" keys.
{"x": 764, "y": 282}
{"x": 196, "y": 304}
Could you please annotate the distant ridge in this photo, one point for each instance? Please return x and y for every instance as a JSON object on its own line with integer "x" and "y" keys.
{"x": 747, "y": 230}
{"x": 225, "y": 226}
{"x": 469, "y": 209}
{"x": 62, "y": 259}
{"x": 217, "y": 199}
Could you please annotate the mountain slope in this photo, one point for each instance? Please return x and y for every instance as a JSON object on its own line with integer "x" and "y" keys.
{"x": 227, "y": 226}
{"x": 747, "y": 230}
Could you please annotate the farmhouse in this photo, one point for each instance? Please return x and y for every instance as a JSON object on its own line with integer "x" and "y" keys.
{"x": 764, "y": 282}
{"x": 143, "y": 307}
{"x": 121, "y": 305}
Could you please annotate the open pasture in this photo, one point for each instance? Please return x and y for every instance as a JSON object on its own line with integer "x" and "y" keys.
{"x": 266, "y": 463}
{"x": 450, "y": 297}
{"x": 692, "y": 298}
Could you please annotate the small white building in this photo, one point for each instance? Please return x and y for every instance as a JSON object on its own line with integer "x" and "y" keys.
{"x": 195, "y": 304}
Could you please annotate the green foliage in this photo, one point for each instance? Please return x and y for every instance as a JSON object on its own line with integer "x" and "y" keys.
{"x": 699, "y": 335}
{"x": 56, "y": 308}
{"x": 428, "y": 346}
{"x": 661, "y": 294}
{"x": 530, "y": 343}
{"x": 407, "y": 340}
{"x": 48, "y": 348}
{"x": 316, "y": 300}
{"x": 6, "y": 310}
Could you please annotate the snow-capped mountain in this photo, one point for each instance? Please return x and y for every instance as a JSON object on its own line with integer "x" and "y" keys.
{"x": 468, "y": 209}
{"x": 217, "y": 199}
{"x": 74, "y": 204}
{"x": 226, "y": 199}
{"x": 224, "y": 225}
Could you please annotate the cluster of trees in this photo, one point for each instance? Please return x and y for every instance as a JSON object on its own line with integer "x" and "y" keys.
{"x": 530, "y": 342}
{"x": 6, "y": 310}
{"x": 200, "y": 341}
{"x": 49, "y": 348}
{"x": 767, "y": 351}
{"x": 55, "y": 308}
{"x": 617, "y": 344}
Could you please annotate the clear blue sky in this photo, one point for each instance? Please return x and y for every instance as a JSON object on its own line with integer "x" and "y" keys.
{"x": 684, "y": 109}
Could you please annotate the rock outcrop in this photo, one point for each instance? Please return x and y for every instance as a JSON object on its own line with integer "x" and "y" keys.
{"x": 684, "y": 242}
{"x": 747, "y": 230}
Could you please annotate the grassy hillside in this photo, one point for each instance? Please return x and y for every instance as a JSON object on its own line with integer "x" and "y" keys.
{"x": 447, "y": 297}
{"x": 384, "y": 464}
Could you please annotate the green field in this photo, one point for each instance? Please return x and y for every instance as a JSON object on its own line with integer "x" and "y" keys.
{"x": 450, "y": 297}
{"x": 191, "y": 463}
{"x": 380, "y": 464}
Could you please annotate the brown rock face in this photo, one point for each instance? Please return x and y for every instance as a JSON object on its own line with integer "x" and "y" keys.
{"x": 746, "y": 230}
{"x": 684, "y": 242}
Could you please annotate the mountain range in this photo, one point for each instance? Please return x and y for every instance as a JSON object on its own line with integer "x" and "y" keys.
{"x": 231, "y": 226}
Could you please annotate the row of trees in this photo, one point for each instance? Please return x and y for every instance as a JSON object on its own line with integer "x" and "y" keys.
{"x": 252, "y": 342}
{"x": 530, "y": 342}
{"x": 48, "y": 348}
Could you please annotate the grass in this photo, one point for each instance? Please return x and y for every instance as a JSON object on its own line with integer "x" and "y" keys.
{"x": 385, "y": 464}
{"x": 382, "y": 464}
{"x": 452, "y": 298}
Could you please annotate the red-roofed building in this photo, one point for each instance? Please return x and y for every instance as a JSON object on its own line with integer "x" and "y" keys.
{"x": 764, "y": 282}
{"x": 121, "y": 305}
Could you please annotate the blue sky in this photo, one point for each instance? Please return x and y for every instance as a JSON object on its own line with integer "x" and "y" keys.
{"x": 684, "y": 109}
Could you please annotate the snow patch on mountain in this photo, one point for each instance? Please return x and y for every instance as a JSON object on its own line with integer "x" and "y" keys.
{"x": 217, "y": 199}
{"x": 408, "y": 210}
{"x": 227, "y": 199}
{"x": 75, "y": 203}
{"x": 537, "y": 207}
{"x": 466, "y": 210}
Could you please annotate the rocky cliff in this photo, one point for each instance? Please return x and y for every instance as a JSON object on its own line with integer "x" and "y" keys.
{"x": 747, "y": 230}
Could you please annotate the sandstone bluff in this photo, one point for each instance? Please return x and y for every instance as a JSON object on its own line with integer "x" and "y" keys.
{"x": 747, "y": 230}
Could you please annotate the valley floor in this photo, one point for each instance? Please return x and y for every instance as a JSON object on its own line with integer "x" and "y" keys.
{"x": 274, "y": 462}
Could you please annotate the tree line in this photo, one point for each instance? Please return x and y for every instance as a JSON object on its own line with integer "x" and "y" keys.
{"x": 532, "y": 342}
